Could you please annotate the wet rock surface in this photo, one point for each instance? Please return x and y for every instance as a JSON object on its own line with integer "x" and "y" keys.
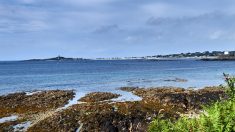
{"x": 168, "y": 102}
{"x": 27, "y": 105}
{"x": 97, "y": 115}
{"x": 98, "y": 96}
{"x": 8, "y": 126}
{"x": 107, "y": 117}
{"x": 186, "y": 98}
{"x": 128, "y": 89}
{"x": 21, "y": 103}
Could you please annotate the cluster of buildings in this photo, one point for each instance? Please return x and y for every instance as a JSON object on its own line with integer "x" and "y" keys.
{"x": 181, "y": 55}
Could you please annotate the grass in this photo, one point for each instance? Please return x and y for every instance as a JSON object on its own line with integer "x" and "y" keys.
{"x": 219, "y": 117}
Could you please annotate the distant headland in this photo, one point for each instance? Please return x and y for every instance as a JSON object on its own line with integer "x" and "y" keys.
{"x": 58, "y": 58}
{"x": 204, "y": 56}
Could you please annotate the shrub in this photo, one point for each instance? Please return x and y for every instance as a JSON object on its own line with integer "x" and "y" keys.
{"x": 230, "y": 89}
{"x": 219, "y": 117}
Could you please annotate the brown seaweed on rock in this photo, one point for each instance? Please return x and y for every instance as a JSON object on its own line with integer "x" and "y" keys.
{"x": 102, "y": 116}
{"x": 98, "y": 96}
{"x": 97, "y": 115}
{"x": 189, "y": 99}
{"x": 20, "y": 103}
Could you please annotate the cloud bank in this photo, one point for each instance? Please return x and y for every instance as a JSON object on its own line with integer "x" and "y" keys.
{"x": 108, "y": 28}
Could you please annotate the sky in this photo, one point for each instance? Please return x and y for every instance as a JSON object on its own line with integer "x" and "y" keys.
{"x": 113, "y": 28}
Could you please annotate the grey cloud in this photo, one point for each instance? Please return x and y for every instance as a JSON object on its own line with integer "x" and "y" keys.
{"x": 24, "y": 26}
{"x": 206, "y": 26}
{"x": 208, "y": 18}
{"x": 111, "y": 25}
{"x": 107, "y": 28}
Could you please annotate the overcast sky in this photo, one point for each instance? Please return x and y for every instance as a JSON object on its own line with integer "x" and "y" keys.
{"x": 113, "y": 28}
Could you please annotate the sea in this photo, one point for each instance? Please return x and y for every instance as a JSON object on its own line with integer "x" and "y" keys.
{"x": 108, "y": 75}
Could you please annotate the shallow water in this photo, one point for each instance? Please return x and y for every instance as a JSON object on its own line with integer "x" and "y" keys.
{"x": 89, "y": 76}
{"x": 32, "y": 93}
{"x": 9, "y": 118}
{"x": 126, "y": 96}
{"x": 22, "y": 127}
{"x": 74, "y": 100}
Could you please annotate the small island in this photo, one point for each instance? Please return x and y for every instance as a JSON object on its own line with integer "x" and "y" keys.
{"x": 58, "y": 58}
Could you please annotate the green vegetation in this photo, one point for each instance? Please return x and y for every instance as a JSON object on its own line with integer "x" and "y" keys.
{"x": 198, "y": 54}
{"x": 219, "y": 117}
{"x": 230, "y": 86}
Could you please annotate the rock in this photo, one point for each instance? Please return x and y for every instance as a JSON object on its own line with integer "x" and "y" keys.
{"x": 28, "y": 105}
{"x": 107, "y": 116}
{"x": 176, "y": 80}
{"x": 128, "y": 89}
{"x": 190, "y": 99}
{"x": 98, "y": 96}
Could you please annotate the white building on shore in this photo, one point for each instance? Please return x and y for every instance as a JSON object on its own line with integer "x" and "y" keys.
{"x": 226, "y": 52}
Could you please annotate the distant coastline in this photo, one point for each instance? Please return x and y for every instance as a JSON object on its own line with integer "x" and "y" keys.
{"x": 219, "y": 58}
{"x": 204, "y": 56}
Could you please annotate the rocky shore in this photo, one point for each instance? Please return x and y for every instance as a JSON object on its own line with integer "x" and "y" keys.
{"x": 99, "y": 113}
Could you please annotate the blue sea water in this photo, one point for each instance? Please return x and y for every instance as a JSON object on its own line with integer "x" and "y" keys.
{"x": 100, "y": 75}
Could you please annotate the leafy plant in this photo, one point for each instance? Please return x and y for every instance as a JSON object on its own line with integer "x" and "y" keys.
{"x": 219, "y": 117}
{"x": 230, "y": 85}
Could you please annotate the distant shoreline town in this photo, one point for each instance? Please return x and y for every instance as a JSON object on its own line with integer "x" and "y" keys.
{"x": 206, "y": 56}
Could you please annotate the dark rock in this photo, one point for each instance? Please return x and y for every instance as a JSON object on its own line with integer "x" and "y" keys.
{"x": 176, "y": 80}
{"x": 98, "y": 96}
{"x": 128, "y": 89}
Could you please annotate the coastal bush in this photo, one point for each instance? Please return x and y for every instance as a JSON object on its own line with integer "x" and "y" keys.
{"x": 219, "y": 117}
{"x": 230, "y": 89}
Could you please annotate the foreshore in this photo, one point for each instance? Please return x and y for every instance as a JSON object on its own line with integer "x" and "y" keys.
{"x": 100, "y": 111}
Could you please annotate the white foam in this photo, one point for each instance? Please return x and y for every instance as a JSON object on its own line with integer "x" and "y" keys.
{"x": 22, "y": 127}
{"x": 9, "y": 118}
{"x": 32, "y": 93}
{"x": 80, "y": 128}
